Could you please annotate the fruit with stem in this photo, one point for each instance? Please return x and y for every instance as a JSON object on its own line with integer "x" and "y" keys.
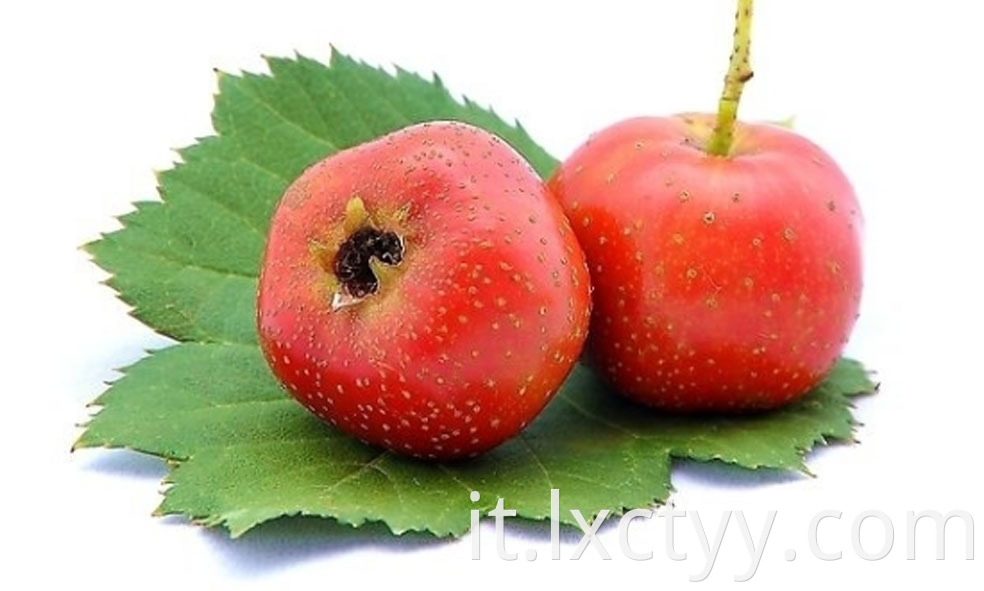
{"x": 726, "y": 256}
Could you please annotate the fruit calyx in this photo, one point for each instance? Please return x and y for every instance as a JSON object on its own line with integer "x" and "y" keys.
{"x": 352, "y": 262}
{"x": 359, "y": 260}
{"x": 739, "y": 72}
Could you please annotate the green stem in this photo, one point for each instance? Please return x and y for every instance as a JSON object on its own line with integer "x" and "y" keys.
{"x": 739, "y": 72}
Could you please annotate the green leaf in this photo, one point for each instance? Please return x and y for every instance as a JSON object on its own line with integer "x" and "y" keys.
{"x": 247, "y": 453}
{"x": 242, "y": 452}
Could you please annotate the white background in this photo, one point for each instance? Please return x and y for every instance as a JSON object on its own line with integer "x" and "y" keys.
{"x": 94, "y": 95}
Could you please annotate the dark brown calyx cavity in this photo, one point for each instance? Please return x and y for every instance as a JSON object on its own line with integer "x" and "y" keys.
{"x": 351, "y": 264}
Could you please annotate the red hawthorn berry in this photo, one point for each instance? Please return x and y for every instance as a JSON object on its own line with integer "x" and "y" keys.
{"x": 423, "y": 292}
{"x": 725, "y": 256}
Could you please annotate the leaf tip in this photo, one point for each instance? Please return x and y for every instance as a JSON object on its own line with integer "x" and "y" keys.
{"x": 82, "y": 442}
{"x": 803, "y": 469}
{"x": 336, "y": 54}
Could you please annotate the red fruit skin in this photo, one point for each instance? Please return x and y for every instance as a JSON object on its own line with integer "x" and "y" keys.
{"x": 720, "y": 283}
{"x": 469, "y": 337}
